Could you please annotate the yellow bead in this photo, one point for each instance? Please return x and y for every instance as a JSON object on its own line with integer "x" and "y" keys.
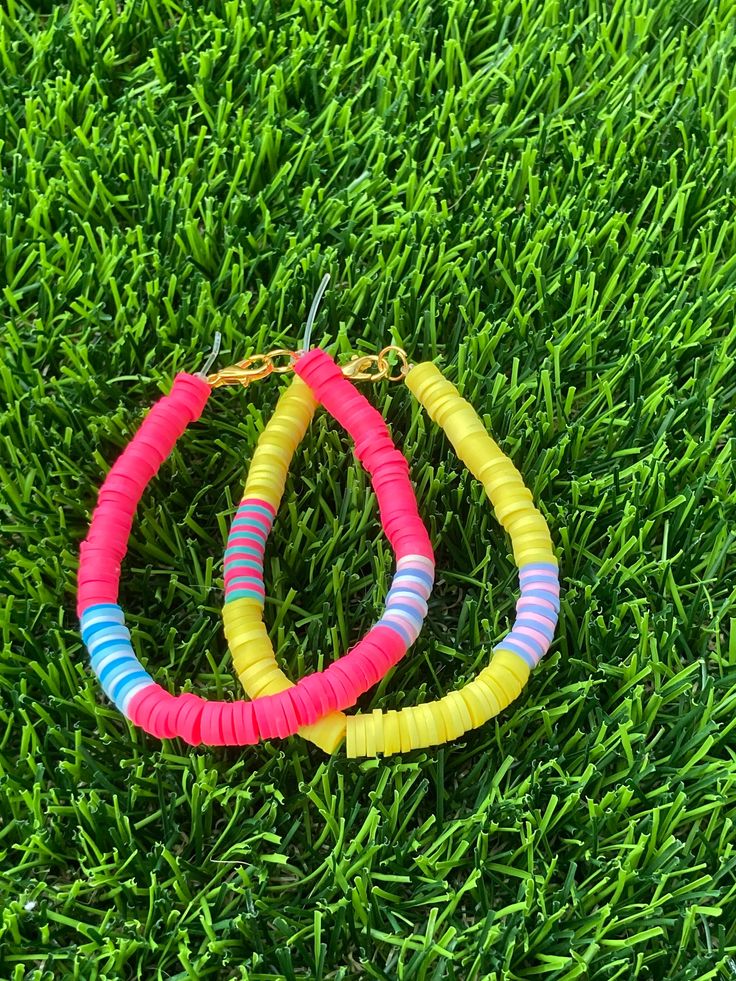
{"x": 431, "y": 732}
{"x": 370, "y": 725}
{"x": 412, "y": 726}
{"x": 355, "y": 742}
{"x": 404, "y": 730}
{"x": 268, "y": 685}
{"x": 244, "y": 637}
{"x": 513, "y": 664}
{"x": 524, "y": 520}
{"x": 391, "y": 734}
{"x": 255, "y": 674}
{"x": 477, "y": 706}
{"x": 328, "y": 733}
{"x": 531, "y": 556}
{"x": 495, "y": 691}
{"x": 508, "y": 498}
{"x": 452, "y": 720}
{"x": 455, "y": 699}
{"x": 521, "y": 555}
{"x": 377, "y": 720}
{"x": 489, "y": 692}
{"x": 507, "y": 677}
{"x": 473, "y": 459}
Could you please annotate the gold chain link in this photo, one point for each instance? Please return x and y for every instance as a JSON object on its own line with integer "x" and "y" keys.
{"x": 358, "y": 368}
{"x": 403, "y": 367}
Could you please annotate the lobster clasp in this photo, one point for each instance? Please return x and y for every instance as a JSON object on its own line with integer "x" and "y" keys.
{"x": 252, "y": 369}
{"x": 359, "y": 368}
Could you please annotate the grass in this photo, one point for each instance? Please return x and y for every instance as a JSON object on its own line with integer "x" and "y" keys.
{"x": 538, "y": 194}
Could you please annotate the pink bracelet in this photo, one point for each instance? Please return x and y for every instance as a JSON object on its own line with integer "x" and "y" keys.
{"x": 198, "y": 720}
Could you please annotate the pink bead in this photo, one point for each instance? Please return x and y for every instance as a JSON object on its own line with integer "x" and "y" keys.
{"x": 243, "y": 568}
{"x": 141, "y": 705}
{"x": 191, "y": 393}
{"x": 343, "y": 681}
{"x": 228, "y": 724}
{"x": 92, "y": 595}
{"x": 315, "y": 691}
{"x": 306, "y": 710}
{"x": 105, "y": 580}
{"x": 246, "y": 730}
{"x": 212, "y": 724}
{"x": 158, "y": 718}
{"x": 189, "y": 719}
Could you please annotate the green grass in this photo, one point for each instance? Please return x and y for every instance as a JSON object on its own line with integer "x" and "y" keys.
{"x": 538, "y": 194}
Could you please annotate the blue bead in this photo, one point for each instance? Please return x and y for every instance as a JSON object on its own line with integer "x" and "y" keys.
{"x": 117, "y": 687}
{"x": 412, "y": 573}
{"x": 89, "y": 632}
{"x": 112, "y": 609}
{"x": 134, "y": 682}
{"x": 259, "y": 508}
{"x": 542, "y": 594}
{"x": 546, "y": 566}
{"x": 244, "y": 594}
{"x": 115, "y": 646}
{"x": 543, "y": 611}
{"x": 244, "y": 579}
{"x": 533, "y": 625}
{"x": 109, "y": 672}
{"x": 414, "y": 614}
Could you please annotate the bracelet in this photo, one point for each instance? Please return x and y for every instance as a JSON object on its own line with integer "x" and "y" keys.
{"x": 529, "y": 639}
{"x": 282, "y": 713}
{"x": 497, "y": 685}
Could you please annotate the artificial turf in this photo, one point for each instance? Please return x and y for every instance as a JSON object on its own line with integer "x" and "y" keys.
{"x": 540, "y": 196}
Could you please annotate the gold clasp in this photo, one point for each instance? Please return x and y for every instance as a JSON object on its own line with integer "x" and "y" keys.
{"x": 252, "y": 369}
{"x": 358, "y": 368}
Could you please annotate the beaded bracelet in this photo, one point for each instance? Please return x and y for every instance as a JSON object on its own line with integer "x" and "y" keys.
{"x": 497, "y": 685}
{"x": 280, "y": 713}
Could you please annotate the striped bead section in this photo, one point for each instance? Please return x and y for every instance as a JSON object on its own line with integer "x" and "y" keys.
{"x": 406, "y": 603}
{"x": 537, "y": 611}
{"x": 112, "y": 657}
{"x": 246, "y": 545}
